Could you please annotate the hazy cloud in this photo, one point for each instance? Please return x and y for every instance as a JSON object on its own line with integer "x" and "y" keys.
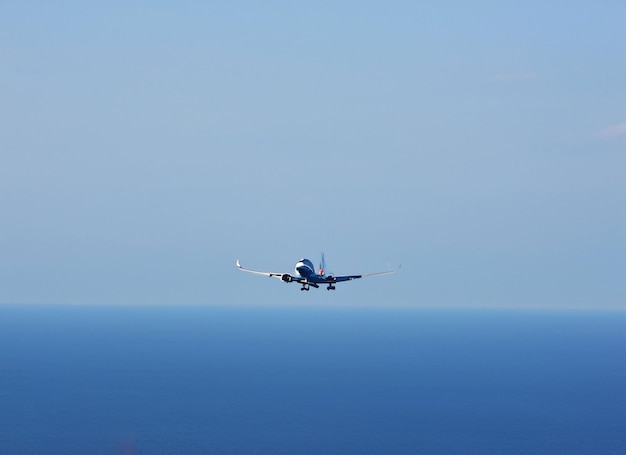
{"x": 613, "y": 131}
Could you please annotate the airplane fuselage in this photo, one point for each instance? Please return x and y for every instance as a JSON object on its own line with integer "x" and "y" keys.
{"x": 305, "y": 271}
{"x": 305, "y": 268}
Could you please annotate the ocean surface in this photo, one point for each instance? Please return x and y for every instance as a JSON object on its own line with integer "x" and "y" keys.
{"x": 270, "y": 380}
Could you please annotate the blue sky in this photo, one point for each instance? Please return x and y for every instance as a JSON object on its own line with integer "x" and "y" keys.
{"x": 145, "y": 147}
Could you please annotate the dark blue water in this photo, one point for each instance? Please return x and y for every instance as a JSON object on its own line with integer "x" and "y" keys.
{"x": 156, "y": 380}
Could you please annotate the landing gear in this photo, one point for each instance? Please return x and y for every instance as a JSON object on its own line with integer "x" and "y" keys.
{"x": 305, "y": 287}
{"x": 331, "y": 287}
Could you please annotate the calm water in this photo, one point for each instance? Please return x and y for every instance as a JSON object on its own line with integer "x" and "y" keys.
{"x": 153, "y": 380}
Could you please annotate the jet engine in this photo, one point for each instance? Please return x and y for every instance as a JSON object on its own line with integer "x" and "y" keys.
{"x": 286, "y": 278}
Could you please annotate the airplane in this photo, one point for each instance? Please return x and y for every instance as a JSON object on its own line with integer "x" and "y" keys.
{"x": 307, "y": 277}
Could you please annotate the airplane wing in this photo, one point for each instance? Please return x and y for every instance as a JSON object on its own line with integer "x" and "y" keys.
{"x": 339, "y": 279}
{"x": 379, "y": 273}
{"x": 270, "y": 274}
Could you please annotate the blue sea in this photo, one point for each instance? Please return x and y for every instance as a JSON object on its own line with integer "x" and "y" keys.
{"x": 292, "y": 380}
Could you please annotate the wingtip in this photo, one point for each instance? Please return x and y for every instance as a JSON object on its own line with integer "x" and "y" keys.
{"x": 238, "y": 264}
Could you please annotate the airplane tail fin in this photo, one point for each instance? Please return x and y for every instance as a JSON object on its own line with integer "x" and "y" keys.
{"x": 322, "y": 270}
